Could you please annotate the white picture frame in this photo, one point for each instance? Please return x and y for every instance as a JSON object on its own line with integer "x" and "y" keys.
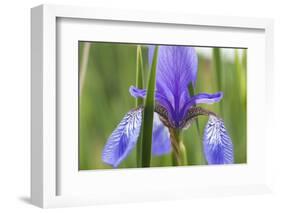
{"x": 49, "y": 167}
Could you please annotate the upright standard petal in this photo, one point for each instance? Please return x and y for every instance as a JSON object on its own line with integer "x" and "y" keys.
{"x": 193, "y": 59}
{"x": 218, "y": 146}
{"x": 175, "y": 70}
{"x": 123, "y": 139}
{"x": 161, "y": 143}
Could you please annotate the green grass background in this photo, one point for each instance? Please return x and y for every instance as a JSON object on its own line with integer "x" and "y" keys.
{"x": 105, "y": 99}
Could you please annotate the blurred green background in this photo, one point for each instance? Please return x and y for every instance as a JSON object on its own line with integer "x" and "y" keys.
{"x": 107, "y": 70}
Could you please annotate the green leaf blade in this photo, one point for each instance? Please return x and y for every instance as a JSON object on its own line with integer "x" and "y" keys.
{"x": 139, "y": 75}
{"x": 139, "y": 101}
{"x": 147, "y": 125}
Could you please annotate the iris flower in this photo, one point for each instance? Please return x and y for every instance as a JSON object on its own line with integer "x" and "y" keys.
{"x": 175, "y": 110}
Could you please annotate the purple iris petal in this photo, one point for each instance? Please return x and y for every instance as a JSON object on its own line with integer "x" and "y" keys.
{"x": 161, "y": 143}
{"x": 176, "y": 68}
{"x": 204, "y": 98}
{"x": 174, "y": 72}
{"x": 123, "y": 139}
{"x": 189, "y": 55}
{"x": 136, "y": 92}
{"x": 201, "y": 98}
{"x": 141, "y": 93}
{"x": 218, "y": 146}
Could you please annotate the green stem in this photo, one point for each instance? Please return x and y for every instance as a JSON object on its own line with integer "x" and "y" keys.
{"x": 179, "y": 151}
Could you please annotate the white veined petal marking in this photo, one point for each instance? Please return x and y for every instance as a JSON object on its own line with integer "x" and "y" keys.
{"x": 218, "y": 146}
{"x": 123, "y": 139}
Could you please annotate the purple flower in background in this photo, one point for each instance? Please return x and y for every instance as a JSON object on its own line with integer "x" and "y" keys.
{"x": 176, "y": 109}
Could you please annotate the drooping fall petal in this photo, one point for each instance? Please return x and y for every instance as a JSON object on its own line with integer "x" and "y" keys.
{"x": 123, "y": 139}
{"x": 218, "y": 147}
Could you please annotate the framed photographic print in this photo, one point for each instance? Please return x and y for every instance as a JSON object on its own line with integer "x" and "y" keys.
{"x": 149, "y": 106}
{"x": 177, "y": 139}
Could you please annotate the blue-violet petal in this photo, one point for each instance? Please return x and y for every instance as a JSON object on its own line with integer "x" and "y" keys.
{"x": 123, "y": 139}
{"x": 161, "y": 143}
{"x": 218, "y": 146}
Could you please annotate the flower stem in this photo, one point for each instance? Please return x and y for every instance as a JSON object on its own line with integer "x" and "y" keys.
{"x": 179, "y": 151}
